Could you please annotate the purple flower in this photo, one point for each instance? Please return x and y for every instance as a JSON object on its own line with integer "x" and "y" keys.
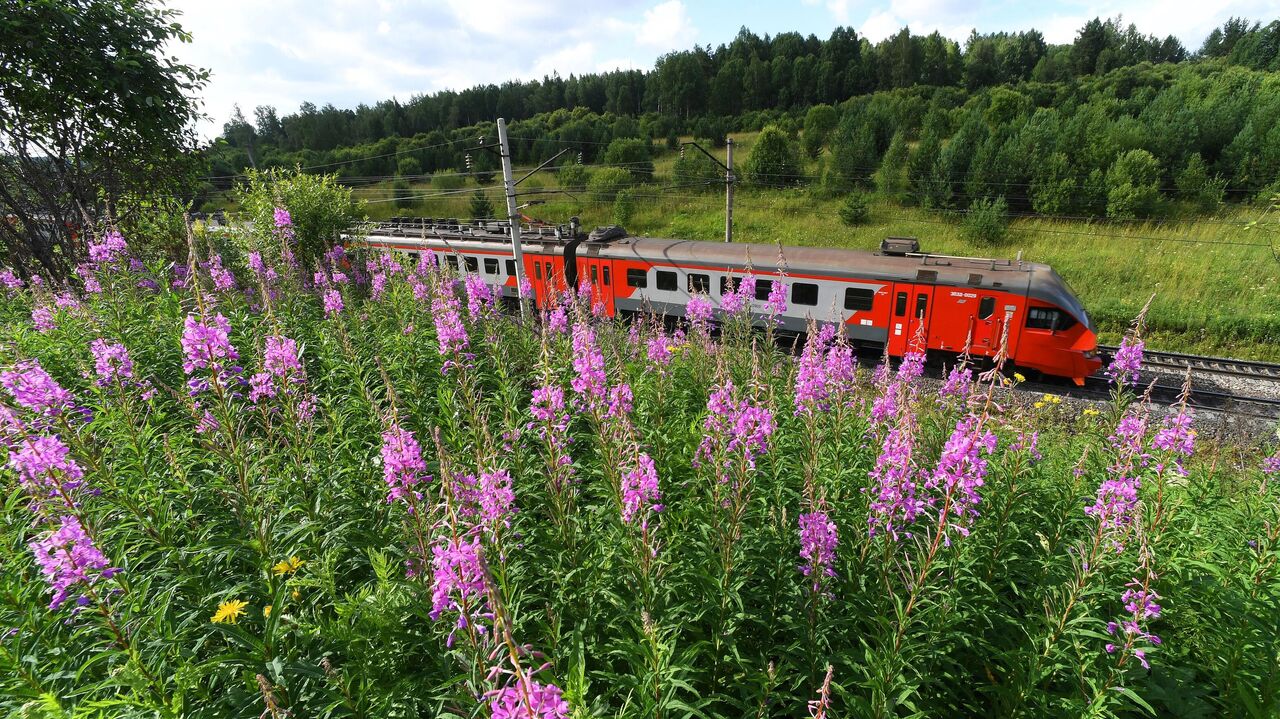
{"x": 111, "y": 362}
{"x": 529, "y": 700}
{"x": 480, "y": 297}
{"x": 207, "y": 345}
{"x": 68, "y": 558}
{"x": 959, "y": 383}
{"x": 812, "y": 384}
{"x": 640, "y": 493}
{"x": 1271, "y": 465}
{"x": 558, "y": 320}
{"x": 894, "y": 501}
{"x": 45, "y": 466}
{"x": 734, "y": 429}
{"x": 451, "y": 334}
{"x": 378, "y": 286}
{"x": 67, "y": 301}
{"x": 108, "y": 250}
{"x": 32, "y": 388}
{"x": 961, "y": 471}
{"x": 280, "y": 358}
{"x": 402, "y": 465}
{"x": 1177, "y": 438}
{"x": 659, "y": 350}
{"x": 740, "y": 298}
{"x": 496, "y": 499}
{"x": 589, "y": 380}
{"x": 818, "y": 539}
{"x": 458, "y": 578}
{"x": 777, "y": 302}
{"x": 42, "y": 318}
{"x": 699, "y": 310}
{"x": 620, "y": 399}
{"x": 332, "y": 302}
{"x": 223, "y": 280}
{"x": 10, "y": 280}
{"x": 1126, "y": 366}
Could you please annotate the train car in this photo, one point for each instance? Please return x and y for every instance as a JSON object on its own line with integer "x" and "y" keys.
{"x": 896, "y": 300}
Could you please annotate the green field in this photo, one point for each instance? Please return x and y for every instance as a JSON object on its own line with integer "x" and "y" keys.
{"x": 1214, "y": 281}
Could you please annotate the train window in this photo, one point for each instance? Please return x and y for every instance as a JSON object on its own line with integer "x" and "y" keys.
{"x": 1043, "y": 318}
{"x": 859, "y": 299}
{"x": 490, "y": 266}
{"x": 699, "y": 282}
{"x": 922, "y": 304}
{"x": 548, "y": 264}
{"x": 605, "y": 272}
{"x": 473, "y": 264}
{"x": 986, "y": 307}
{"x": 595, "y": 276}
{"x": 763, "y": 289}
{"x": 453, "y": 262}
{"x": 666, "y": 281}
{"x": 804, "y": 293}
{"x": 537, "y": 270}
{"x": 637, "y": 278}
{"x": 729, "y": 285}
{"x": 900, "y": 305}
{"x": 511, "y": 267}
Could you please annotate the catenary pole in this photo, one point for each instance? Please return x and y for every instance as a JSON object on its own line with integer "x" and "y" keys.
{"x": 513, "y": 214}
{"x": 728, "y": 191}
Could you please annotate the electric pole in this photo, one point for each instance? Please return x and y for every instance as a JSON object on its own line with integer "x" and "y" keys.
{"x": 729, "y": 181}
{"x": 728, "y": 191}
{"x": 513, "y": 214}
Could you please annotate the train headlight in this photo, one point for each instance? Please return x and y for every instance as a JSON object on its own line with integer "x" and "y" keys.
{"x": 1091, "y": 354}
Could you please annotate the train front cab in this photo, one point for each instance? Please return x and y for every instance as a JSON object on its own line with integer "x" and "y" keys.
{"x": 1056, "y": 342}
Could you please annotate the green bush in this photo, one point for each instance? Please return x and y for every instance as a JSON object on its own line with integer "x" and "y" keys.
{"x": 481, "y": 208}
{"x": 774, "y": 160}
{"x": 408, "y": 166}
{"x": 694, "y": 168}
{"x": 1133, "y": 185}
{"x": 573, "y": 177}
{"x": 607, "y": 182}
{"x": 632, "y": 154}
{"x": 854, "y": 210}
{"x": 448, "y": 181}
{"x": 624, "y": 207}
{"x": 403, "y": 195}
{"x": 818, "y": 124}
{"x": 986, "y": 222}
{"x": 321, "y": 211}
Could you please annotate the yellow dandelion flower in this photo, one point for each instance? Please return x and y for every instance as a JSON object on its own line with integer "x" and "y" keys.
{"x": 1090, "y": 412}
{"x": 1018, "y": 377}
{"x": 1057, "y": 399}
{"x": 288, "y": 566}
{"x": 1039, "y": 405}
{"x": 296, "y": 594}
{"x": 229, "y": 611}
{"x": 266, "y": 611}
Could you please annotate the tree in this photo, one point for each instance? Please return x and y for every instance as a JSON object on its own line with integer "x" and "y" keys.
{"x": 1053, "y": 186}
{"x": 853, "y": 156}
{"x": 96, "y": 121}
{"x": 891, "y": 177}
{"x": 408, "y": 167}
{"x": 1133, "y": 185}
{"x": 573, "y": 177}
{"x": 633, "y": 155}
{"x": 480, "y": 208}
{"x": 624, "y": 207}
{"x": 818, "y": 124}
{"x": 607, "y": 182}
{"x": 696, "y": 169}
{"x": 987, "y": 221}
{"x": 1196, "y": 186}
{"x": 921, "y": 178}
{"x": 320, "y": 209}
{"x": 854, "y": 211}
{"x": 402, "y": 195}
{"x": 774, "y": 160}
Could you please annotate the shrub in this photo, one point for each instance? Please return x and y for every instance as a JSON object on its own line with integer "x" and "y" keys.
{"x": 694, "y": 168}
{"x": 986, "y": 222}
{"x": 818, "y": 124}
{"x": 480, "y": 208}
{"x": 573, "y": 177}
{"x": 607, "y": 182}
{"x": 320, "y": 210}
{"x": 448, "y": 181}
{"x": 624, "y": 207}
{"x": 633, "y": 155}
{"x": 408, "y": 166}
{"x": 1133, "y": 185}
{"x": 774, "y": 160}
{"x": 854, "y": 210}
{"x": 403, "y": 195}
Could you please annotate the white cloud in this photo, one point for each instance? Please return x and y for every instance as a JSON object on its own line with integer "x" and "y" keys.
{"x": 839, "y": 10}
{"x": 880, "y": 26}
{"x": 667, "y": 27}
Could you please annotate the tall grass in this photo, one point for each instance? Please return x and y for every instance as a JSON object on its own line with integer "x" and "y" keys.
{"x": 361, "y": 490}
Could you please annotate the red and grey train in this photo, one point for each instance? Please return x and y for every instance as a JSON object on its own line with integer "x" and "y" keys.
{"x": 885, "y": 300}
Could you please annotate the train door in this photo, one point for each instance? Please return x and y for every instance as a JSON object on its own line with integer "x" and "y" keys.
{"x": 538, "y": 270}
{"x": 987, "y": 327}
{"x": 909, "y": 320}
{"x": 600, "y": 274}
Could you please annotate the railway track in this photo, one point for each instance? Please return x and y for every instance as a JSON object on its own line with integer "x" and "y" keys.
{"x": 1216, "y": 400}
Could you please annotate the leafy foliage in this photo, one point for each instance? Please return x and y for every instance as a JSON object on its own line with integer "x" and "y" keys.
{"x": 607, "y": 182}
{"x": 481, "y": 208}
{"x": 987, "y": 221}
{"x": 854, "y": 210}
{"x": 774, "y": 160}
{"x": 321, "y": 210}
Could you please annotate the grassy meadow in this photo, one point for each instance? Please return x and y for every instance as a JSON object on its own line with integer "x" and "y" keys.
{"x": 1215, "y": 282}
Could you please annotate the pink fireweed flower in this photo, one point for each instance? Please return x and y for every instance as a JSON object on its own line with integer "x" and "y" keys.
{"x": 45, "y": 466}
{"x": 958, "y": 385}
{"x": 403, "y": 468}
{"x": 458, "y": 580}
{"x": 10, "y": 280}
{"x": 451, "y": 334}
{"x": 658, "y": 350}
{"x": 740, "y": 298}
{"x": 961, "y": 471}
{"x": 1140, "y": 605}
{"x": 699, "y": 311}
{"x": 589, "y": 381}
{"x": 496, "y": 499}
{"x": 895, "y": 502}
{"x": 378, "y": 286}
{"x": 42, "y": 318}
{"x": 1116, "y": 503}
{"x": 280, "y": 358}
{"x": 332, "y": 302}
{"x": 529, "y": 700}
{"x": 33, "y": 389}
{"x": 480, "y": 298}
{"x": 223, "y": 280}
{"x": 207, "y": 345}
{"x": 66, "y": 300}
{"x": 818, "y": 540}
{"x": 620, "y": 400}
{"x": 1177, "y": 438}
{"x": 558, "y": 320}
{"x": 811, "y": 385}
{"x": 777, "y": 302}
{"x": 734, "y": 429}
{"x": 108, "y": 250}
{"x": 1271, "y": 465}
{"x": 68, "y": 559}
{"x": 283, "y": 223}
{"x": 111, "y": 363}
{"x": 640, "y": 493}
{"x": 1126, "y": 366}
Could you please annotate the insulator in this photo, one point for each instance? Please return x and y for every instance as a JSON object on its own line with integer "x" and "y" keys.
{"x": 468, "y": 156}
{"x": 579, "y": 157}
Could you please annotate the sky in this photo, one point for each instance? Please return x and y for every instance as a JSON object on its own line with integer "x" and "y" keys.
{"x": 347, "y": 52}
